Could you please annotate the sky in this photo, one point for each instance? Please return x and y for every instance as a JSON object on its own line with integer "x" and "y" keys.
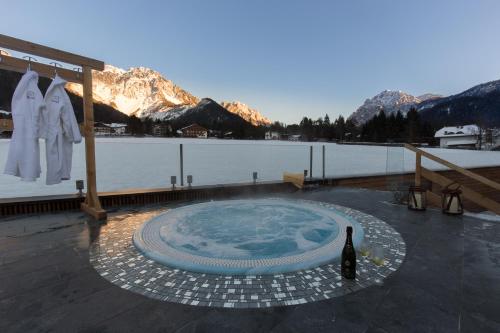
{"x": 287, "y": 59}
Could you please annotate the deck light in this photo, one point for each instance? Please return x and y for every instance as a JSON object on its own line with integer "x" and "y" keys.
{"x": 189, "y": 180}
{"x": 417, "y": 198}
{"x": 173, "y": 181}
{"x": 79, "y": 187}
{"x": 254, "y": 177}
{"x": 451, "y": 201}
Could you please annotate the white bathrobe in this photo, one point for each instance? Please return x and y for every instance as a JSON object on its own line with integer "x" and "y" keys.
{"x": 24, "y": 151}
{"x": 60, "y": 132}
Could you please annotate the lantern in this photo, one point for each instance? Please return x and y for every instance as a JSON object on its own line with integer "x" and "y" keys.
{"x": 173, "y": 181}
{"x": 451, "y": 201}
{"x": 416, "y": 198}
{"x": 79, "y": 187}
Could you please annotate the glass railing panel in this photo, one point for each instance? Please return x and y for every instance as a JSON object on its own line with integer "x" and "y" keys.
{"x": 225, "y": 162}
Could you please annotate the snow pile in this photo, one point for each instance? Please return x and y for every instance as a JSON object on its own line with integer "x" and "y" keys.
{"x": 486, "y": 216}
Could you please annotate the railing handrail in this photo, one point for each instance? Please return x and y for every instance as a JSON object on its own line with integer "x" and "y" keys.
{"x": 455, "y": 167}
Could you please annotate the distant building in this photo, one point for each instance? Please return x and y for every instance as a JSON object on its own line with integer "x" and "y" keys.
{"x": 272, "y": 135}
{"x": 118, "y": 128}
{"x": 194, "y": 131}
{"x": 161, "y": 129}
{"x": 466, "y": 136}
{"x": 492, "y": 139}
{"x": 103, "y": 129}
{"x": 295, "y": 137}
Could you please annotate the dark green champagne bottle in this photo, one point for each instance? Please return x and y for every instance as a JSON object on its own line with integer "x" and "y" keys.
{"x": 348, "y": 265}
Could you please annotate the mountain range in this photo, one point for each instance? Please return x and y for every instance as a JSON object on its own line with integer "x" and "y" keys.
{"x": 391, "y": 102}
{"x": 479, "y": 104}
{"x": 145, "y": 93}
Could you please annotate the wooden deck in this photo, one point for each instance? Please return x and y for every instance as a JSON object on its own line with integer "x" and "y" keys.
{"x": 131, "y": 197}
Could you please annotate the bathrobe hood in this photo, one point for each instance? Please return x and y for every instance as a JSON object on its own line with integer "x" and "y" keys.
{"x": 60, "y": 132}
{"x": 23, "y": 159}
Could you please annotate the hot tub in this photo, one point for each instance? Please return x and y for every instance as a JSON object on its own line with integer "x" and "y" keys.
{"x": 254, "y": 236}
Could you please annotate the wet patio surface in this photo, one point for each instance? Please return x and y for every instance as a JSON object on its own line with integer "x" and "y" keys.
{"x": 449, "y": 281}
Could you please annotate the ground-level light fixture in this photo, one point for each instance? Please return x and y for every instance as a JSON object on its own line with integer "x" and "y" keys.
{"x": 80, "y": 187}
{"x": 451, "y": 201}
{"x": 173, "y": 181}
{"x": 417, "y": 198}
{"x": 254, "y": 176}
{"x": 189, "y": 180}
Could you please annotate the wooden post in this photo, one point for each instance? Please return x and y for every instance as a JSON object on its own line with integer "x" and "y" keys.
{"x": 418, "y": 168}
{"x": 91, "y": 205}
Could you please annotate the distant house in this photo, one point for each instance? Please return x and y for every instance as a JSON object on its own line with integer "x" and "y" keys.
{"x": 466, "y": 136}
{"x": 194, "y": 131}
{"x": 492, "y": 139}
{"x": 161, "y": 129}
{"x": 272, "y": 135}
{"x": 118, "y": 128}
{"x": 103, "y": 129}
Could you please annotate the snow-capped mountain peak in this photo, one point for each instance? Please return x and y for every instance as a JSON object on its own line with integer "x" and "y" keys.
{"x": 244, "y": 111}
{"x": 391, "y": 101}
{"x": 144, "y": 92}
{"x": 137, "y": 91}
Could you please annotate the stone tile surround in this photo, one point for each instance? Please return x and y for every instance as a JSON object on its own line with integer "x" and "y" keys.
{"x": 116, "y": 259}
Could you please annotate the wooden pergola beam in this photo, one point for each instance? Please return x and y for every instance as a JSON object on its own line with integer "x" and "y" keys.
{"x": 20, "y": 45}
{"x": 20, "y": 65}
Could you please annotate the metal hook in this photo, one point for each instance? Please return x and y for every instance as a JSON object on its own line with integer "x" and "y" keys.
{"x": 78, "y": 70}
{"x": 56, "y": 64}
{"x": 29, "y": 61}
{"x": 4, "y": 53}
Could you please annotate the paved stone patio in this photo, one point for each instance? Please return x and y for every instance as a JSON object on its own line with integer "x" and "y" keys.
{"x": 449, "y": 281}
{"x": 117, "y": 260}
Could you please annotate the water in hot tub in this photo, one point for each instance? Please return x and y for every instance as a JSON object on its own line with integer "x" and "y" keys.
{"x": 248, "y": 231}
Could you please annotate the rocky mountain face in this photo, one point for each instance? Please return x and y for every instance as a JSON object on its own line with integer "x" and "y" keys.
{"x": 391, "y": 102}
{"x": 247, "y": 113}
{"x": 478, "y": 105}
{"x": 139, "y": 91}
{"x": 144, "y": 92}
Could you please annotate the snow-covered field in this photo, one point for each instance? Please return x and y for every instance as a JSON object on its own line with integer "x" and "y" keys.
{"x": 125, "y": 163}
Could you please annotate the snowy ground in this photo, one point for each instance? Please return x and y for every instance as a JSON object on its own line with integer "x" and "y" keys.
{"x": 124, "y": 163}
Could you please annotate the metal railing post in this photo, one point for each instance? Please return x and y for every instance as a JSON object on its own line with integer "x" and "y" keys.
{"x": 310, "y": 162}
{"x": 182, "y": 164}
{"x": 323, "y": 161}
